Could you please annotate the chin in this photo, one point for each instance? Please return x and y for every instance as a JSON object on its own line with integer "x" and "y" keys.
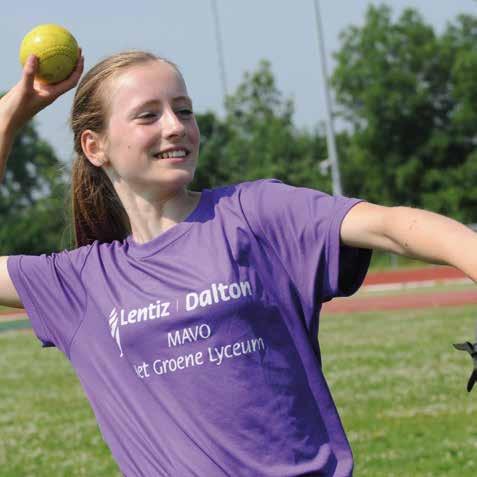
{"x": 176, "y": 179}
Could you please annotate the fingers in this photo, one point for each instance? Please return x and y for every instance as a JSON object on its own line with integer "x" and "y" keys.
{"x": 29, "y": 71}
{"x": 78, "y": 71}
{"x": 75, "y": 75}
{"x": 29, "y": 95}
{"x": 71, "y": 81}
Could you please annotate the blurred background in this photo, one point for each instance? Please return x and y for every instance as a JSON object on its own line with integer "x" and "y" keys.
{"x": 401, "y": 88}
{"x": 394, "y": 123}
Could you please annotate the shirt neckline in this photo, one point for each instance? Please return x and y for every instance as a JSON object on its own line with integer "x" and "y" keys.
{"x": 141, "y": 250}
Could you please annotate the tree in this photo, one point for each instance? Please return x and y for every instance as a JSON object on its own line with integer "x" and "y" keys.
{"x": 32, "y": 197}
{"x": 214, "y": 135}
{"x": 409, "y": 96}
{"x": 257, "y": 138}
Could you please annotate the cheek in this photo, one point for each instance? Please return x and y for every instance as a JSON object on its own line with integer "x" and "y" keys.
{"x": 121, "y": 152}
{"x": 194, "y": 133}
{"x": 131, "y": 141}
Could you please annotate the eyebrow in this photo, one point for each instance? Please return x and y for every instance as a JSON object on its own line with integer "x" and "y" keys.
{"x": 151, "y": 102}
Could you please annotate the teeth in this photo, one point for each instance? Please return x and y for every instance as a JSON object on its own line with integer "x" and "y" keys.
{"x": 167, "y": 155}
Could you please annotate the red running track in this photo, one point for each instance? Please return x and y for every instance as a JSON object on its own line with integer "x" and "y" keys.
{"x": 413, "y": 275}
{"x": 397, "y": 302}
{"x": 408, "y": 299}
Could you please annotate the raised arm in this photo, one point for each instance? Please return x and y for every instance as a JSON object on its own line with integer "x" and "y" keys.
{"x": 414, "y": 233}
{"x": 17, "y": 107}
{"x": 27, "y": 98}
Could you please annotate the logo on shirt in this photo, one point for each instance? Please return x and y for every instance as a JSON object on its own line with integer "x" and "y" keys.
{"x": 161, "y": 309}
{"x": 114, "y": 325}
{"x": 121, "y": 317}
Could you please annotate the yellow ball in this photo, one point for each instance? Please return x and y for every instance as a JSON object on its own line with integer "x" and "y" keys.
{"x": 56, "y": 49}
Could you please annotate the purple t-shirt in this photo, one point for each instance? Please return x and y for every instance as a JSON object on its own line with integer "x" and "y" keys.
{"x": 198, "y": 350}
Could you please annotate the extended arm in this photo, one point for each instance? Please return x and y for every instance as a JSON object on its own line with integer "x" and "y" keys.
{"x": 414, "y": 233}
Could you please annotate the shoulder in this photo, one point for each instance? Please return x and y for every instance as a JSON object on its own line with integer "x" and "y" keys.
{"x": 258, "y": 189}
{"x": 259, "y": 184}
{"x": 237, "y": 190}
{"x": 87, "y": 254}
{"x": 248, "y": 193}
{"x": 273, "y": 195}
{"x": 246, "y": 185}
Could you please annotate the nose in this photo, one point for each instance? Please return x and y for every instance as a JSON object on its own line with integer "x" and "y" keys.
{"x": 172, "y": 124}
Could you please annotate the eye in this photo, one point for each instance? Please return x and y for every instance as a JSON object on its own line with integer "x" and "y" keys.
{"x": 185, "y": 112}
{"x": 147, "y": 115}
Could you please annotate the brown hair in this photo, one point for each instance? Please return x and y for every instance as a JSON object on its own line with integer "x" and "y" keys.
{"x": 96, "y": 210}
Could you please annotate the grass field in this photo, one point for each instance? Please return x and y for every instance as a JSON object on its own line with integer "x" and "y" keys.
{"x": 401, "y": 289}
{"x": 400, "y": 388}
{"x": 397, "y": 381}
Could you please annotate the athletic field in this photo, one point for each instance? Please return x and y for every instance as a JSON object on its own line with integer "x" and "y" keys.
{"x": 397, "y": 381}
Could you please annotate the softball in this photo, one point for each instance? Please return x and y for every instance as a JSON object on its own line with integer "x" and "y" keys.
{"x": 56, "y": 49}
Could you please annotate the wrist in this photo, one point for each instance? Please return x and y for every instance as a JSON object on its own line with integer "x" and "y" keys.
{"x": 11, "y": 110}
{"x": 8, "y": 127}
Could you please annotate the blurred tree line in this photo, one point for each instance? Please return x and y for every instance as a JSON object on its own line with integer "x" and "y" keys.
{"x": 409, "y": 98}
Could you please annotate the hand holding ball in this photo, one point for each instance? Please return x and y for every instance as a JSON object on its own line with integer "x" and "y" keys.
{"x": 56, "y": 49}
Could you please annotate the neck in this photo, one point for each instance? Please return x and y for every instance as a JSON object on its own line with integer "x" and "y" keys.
{"x": 151, "y": 217}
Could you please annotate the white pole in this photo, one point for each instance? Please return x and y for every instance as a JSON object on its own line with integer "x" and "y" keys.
{"x": 330, "y": 135}
{"x": 220, "y": 51}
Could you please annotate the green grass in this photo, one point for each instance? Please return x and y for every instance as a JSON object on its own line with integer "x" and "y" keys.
{"x": 448, "y": 287}
{"x": 397, "y": 381}
{"x": 5, "y": 308}
{"x": 386, "y": 261}
{"x": 46, "y": 425}
{"x": 6, "y": 325}
{"x": 400, "y": 388}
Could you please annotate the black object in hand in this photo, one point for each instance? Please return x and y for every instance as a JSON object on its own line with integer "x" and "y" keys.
{"x": 472, "y": 350}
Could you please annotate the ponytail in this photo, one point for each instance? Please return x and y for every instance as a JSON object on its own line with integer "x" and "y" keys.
{"x": 97, "y": 212}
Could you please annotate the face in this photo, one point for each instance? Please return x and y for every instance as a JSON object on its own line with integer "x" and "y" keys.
{"x": 150, "y": 121}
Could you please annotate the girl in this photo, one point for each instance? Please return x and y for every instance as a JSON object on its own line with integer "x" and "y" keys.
{"x": 191, "y": 317}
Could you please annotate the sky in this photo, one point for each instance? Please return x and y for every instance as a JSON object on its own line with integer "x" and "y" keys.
{"x": 282, "y": 31}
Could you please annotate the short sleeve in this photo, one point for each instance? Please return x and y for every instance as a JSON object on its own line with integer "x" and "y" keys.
{"x": 301, "y": 229}
{"x": 52, "y": 293}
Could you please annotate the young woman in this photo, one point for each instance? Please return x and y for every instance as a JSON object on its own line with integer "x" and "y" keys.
{"x": 191, "y": 317}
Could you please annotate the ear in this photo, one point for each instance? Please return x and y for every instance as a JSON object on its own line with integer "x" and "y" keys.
{"x": 93, "y": 147}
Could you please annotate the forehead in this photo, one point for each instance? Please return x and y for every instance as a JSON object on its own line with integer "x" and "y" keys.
{"x": 155, "y": 80}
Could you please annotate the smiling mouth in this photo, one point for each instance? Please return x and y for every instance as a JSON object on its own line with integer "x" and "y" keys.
{"x": 175, "y": 153}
